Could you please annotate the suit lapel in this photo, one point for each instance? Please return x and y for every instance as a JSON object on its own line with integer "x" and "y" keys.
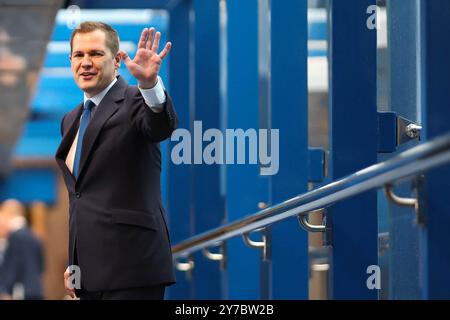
{"x": 107, "y": 107}
{"x": 69, "y": 135}
{"x": 67, "y": 139}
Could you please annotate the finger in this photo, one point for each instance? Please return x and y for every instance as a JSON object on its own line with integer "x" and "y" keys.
{"x": 166, "y": 50}
{"x": 68, "y": 286}
{"x": 156, "y": 42}
{"x": 130, "y": 64}
{"x": 143, "y": 38}
{"x": 71, "y": 293}
{"x": 150, "y": 38}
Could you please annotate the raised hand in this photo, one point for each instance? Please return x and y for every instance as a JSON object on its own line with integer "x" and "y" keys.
{"x": 146, "y": 64}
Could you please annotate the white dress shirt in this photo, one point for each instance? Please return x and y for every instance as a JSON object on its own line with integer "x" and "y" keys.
{"x": 154, "y": 98}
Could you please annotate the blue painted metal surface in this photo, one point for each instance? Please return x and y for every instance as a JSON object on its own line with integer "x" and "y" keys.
{"x": 353, "y": 144}
{"x": 208, "y": 202}
{"x": 180, "y": 186}
{"x": 435, "y": 255}
{"x": 387, "y": 132}
{"x": 403, "y": 35}
{"x": 289, "y": 114}
{"x": 316, "y": 165}
{"x": 243, "y": 272}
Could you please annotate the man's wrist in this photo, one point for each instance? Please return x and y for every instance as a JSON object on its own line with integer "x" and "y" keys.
{"x": 154, "y": 96}
{"x": 148, "y": 84}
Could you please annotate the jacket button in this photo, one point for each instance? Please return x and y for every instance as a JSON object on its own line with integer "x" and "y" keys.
{"x": 78, "y": 195}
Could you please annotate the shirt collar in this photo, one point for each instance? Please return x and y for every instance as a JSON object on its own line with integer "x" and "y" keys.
{"x": 99, "y": 96}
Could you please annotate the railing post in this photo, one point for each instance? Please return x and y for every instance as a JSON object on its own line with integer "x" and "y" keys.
{"x": 207, "y": 199}
{"x": 403, "y": 95}
{"x": 353, "y": 144}
{"x": 242, "y": 180}
{"x": 289, "y": 114}
{"x": 434, "y": 251}
{"x": 180, "y": 176}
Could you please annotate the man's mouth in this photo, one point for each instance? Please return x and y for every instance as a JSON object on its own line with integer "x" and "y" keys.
{"x": 87, "y": 75}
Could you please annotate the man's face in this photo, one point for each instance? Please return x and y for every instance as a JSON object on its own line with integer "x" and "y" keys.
{"x": 92, "y": 63}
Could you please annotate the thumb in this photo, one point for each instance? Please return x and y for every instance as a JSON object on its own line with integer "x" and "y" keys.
{"x": 125, "y": 57}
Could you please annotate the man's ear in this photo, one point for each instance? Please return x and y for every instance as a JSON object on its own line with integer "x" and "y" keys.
{"x": 117, "y": 61}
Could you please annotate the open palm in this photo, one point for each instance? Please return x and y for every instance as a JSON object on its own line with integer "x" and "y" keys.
{"x": 146, "y": 64}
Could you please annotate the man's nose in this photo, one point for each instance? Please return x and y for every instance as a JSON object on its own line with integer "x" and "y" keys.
{"x": 86, "y": 62}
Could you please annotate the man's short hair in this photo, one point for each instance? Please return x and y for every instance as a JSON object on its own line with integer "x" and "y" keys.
{"x": 112, "y": 38}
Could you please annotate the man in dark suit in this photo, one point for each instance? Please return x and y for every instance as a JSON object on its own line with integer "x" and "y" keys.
{"x": 111, "y": 162}
{"x": 23, "y": 263}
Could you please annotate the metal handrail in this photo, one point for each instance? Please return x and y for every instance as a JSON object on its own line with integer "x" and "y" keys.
{"x": 410, "y": 162}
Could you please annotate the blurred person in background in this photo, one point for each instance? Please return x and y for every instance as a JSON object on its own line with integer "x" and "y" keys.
{"x": 23, "y": 265}
{"x": 110, "y": 157}
{"x": 3, "y": 237}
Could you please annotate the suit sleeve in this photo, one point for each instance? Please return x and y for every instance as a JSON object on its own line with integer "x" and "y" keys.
{"x": 154, "y": 126}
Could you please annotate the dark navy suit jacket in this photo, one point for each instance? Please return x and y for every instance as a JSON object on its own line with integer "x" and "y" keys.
{"x": 23, "y": 263}
{"x": 117, "y": 229}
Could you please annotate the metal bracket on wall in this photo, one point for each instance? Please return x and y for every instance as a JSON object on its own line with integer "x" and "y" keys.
{"x": 304, "y": 223}
{"x": 263, "y": 245}
{"x": 407, "y": 130}
{"x": 409, "y": 202}
{"x": 394, "y": 130}
{"x": 401, "y": 201}
{"x": 214, "y": 256}
{"x": 187, "y": 267}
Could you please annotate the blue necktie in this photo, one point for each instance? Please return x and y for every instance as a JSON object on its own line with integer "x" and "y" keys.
{"x": 85, "y": 118}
